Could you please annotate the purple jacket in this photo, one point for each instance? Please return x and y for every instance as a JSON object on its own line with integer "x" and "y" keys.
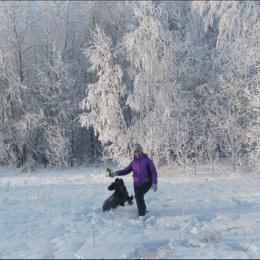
{"x": 143, "y": 170}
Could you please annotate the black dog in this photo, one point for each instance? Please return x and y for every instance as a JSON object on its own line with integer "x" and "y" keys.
{"x": 119, "y": 197}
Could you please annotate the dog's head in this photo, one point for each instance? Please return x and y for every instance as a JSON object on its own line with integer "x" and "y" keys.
{"x": 116, "y": 184}
{"x": 119, "y": 182}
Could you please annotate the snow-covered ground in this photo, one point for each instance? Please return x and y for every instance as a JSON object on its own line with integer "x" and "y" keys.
{"x": 57, "y": 214}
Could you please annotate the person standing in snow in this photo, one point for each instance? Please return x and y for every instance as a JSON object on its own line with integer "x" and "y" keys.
{"x": 144, "y": 177}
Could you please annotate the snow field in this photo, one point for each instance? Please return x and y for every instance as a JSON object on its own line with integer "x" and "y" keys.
{"x": 58, "y": 214}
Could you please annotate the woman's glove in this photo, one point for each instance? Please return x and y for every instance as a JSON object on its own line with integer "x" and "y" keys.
{"x": 154, "y": 187}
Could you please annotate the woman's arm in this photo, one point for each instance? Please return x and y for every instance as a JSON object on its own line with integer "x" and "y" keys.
{"x": 153, "y": 171}
{"x": 125, "y": 171}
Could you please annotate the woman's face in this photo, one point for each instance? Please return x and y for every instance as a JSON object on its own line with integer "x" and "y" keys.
{"x": 137, "y": 154}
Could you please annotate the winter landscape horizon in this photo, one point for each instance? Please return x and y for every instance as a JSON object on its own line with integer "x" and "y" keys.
{"x": 167, "y": 88}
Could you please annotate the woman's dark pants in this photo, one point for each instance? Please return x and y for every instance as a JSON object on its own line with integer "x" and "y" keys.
{"x": 139, "y": 196}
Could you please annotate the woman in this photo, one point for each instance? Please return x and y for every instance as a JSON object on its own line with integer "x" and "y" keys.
{"x": 144, "y": 175}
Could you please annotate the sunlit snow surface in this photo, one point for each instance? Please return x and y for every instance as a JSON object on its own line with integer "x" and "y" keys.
{"x": 58, "y": 214}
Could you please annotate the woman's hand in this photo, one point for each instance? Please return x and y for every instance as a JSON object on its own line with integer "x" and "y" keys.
{"x": 113, "y": 174}
{"x": 154, "y": 187}
{"x": 110, "y": 173}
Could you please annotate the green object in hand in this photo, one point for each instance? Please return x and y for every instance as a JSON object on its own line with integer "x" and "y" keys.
{"x": 109, "y": 172}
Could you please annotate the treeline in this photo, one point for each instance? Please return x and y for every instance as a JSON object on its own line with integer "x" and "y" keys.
{"x": 82, "y": 81}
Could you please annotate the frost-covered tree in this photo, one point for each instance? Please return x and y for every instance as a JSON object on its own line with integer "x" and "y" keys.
{"x": 221, "y": 105}
{"x": 11, "y": 108}
{"x": 160, "y": 97}
{"x": 114, "y": 23}
{"x": 16, "y": 19}
{"x": 148, "y": 49}
{"x": 54, "y": 94}
{"x": 58, "y": 149}
{"x": 237, "y": 60}
{"x": 105, "y": 100}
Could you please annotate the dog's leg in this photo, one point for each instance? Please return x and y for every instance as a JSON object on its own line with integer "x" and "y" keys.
{"x": 108, "y": 204}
